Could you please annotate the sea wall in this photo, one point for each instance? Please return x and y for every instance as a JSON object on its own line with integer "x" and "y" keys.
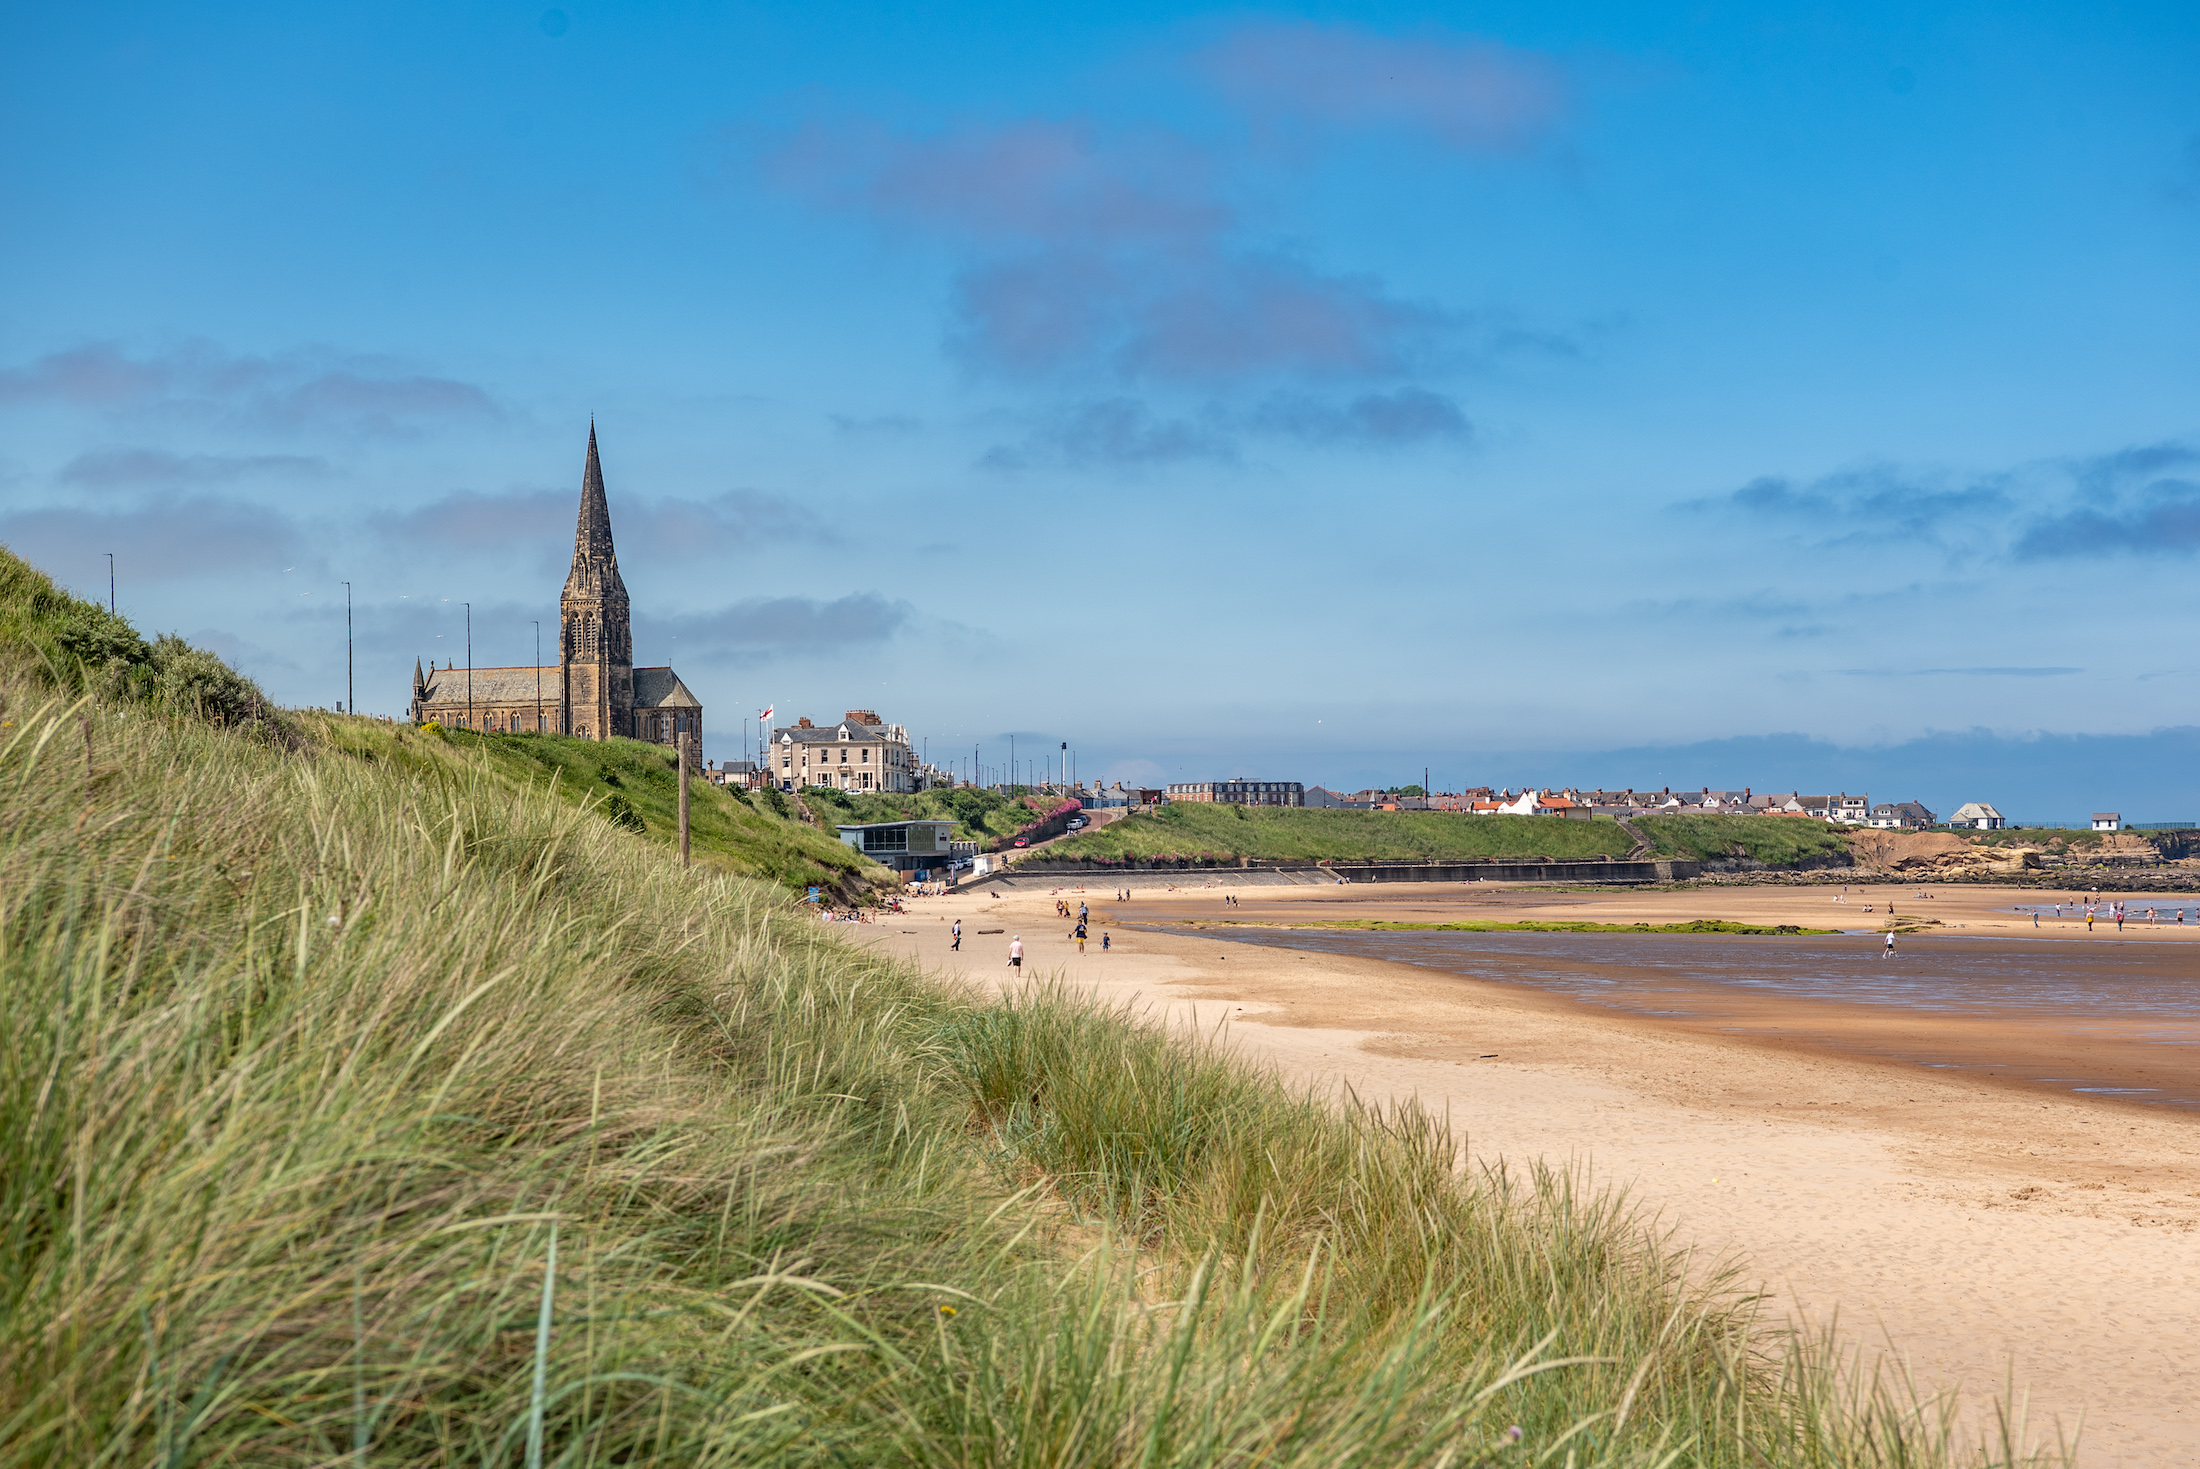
{"x": 1050, "y": 874}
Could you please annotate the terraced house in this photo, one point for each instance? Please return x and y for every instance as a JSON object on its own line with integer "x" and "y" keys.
{"x": 861, "y": 753}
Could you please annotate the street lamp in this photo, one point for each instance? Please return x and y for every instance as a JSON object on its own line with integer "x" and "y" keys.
{"x": 538, "y": 675}
{"x": 110, "y": 583}
{"x": 469, "y": 663}
{"x": 351, "y": 699}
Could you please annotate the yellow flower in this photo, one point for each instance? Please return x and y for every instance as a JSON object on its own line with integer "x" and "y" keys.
{"x": 947, "y": 1310}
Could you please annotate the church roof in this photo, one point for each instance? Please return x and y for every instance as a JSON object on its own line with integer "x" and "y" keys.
{"x": 660, "y": 688}
{"x": 491, "y": 686}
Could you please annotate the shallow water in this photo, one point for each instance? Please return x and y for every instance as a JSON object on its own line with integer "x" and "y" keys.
{"x": 2126, "y": 1014}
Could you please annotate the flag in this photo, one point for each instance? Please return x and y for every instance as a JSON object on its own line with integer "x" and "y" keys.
{"x": 765, "y": 715}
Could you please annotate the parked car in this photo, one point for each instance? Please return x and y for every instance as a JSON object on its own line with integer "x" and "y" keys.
{"x": 1075, "y": 822}
{"x": 1022, "y": 842}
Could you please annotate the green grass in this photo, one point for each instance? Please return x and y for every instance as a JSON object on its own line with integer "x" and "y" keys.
{"x": 633, "y": 783}
{"x": 1774, "y": 840}
{"x": 57, "y": 643}
{"x": 1696, "y": 925}
{"x": 980, "y": 815}
{"x": 2051, "y": 838}
{"x": 311, "y": 1052}
{"x": 1288, "y": 834}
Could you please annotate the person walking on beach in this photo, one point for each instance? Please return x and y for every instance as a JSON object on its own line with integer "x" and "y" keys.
{"x": 1080, "y": 938}
{"x": 2035, "y": 918}
{"x": 1104, "y": 941}
{"x": 2089, "y": 920}
{"x": 1888, "y": 952}
{"x": 1016, "y": 953}
{"x": 955, "y": 938}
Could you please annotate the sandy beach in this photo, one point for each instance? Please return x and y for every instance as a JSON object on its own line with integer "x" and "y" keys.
{"x": 1980, "y": 1226}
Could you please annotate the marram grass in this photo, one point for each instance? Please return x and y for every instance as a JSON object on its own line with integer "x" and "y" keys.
{"x": 308, "y": 1057}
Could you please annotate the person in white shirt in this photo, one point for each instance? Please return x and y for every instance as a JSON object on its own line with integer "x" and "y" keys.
{"x": 1016, "y": 952}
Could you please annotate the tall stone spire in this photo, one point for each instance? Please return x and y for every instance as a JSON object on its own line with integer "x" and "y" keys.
{"x": 596, "y": 639}
{"x": 594, "y": 559}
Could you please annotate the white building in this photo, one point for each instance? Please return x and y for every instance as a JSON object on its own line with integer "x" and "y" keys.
{"x": 861, "y": 753}
{"x": 2108, "y": 821}
{"x": 1978, "y": 816}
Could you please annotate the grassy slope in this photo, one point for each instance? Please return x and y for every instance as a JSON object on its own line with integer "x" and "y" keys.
{"x": 54, "y": 641}
{"x": 635, "y": 783}
{"x": 310, "y": 1055}
{"x": 1769, "y": 839}
{"x": 1297, "y": 835}
{"x": 979, "y": 815}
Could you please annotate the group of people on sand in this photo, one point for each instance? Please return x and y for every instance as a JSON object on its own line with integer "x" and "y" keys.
{"x": 2113, "y": 911}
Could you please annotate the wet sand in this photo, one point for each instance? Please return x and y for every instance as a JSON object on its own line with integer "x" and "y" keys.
{"x": 2115, "y": 1020}
{"x": 1979, "y": 1223}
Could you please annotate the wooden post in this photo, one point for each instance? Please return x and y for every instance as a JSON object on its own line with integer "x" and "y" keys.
{"x": 683, "y": 743}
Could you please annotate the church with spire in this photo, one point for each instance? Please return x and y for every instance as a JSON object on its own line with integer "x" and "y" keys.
{"x": 594, "y": 691}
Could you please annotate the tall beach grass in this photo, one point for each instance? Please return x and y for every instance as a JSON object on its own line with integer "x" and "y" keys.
{"x": 308, "y": 1056}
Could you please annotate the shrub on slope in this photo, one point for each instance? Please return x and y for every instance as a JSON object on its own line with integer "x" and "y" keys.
{"x": 51, "y": 639}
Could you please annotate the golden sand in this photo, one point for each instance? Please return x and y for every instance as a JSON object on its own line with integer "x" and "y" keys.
{"x": 1980, "y": 1233}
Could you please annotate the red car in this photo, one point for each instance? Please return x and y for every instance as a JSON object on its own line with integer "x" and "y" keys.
{"x": 1021, "y": 842}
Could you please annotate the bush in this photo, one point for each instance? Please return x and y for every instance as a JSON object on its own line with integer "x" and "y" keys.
{"x": 189, "y": 680}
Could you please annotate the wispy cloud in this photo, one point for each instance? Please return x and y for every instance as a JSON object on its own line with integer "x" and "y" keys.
{"x": 467, "y": 520}
{"x": 1116, "y": 433}
{"x": 160, "y": 469}
{"x": 2128, "y": 502}
{"x": 863, "y": 426}
{"x": 2170, "y": 527}
{"x": 1124, "y": 433}
{"x": 309, "y": 387}
{"x": 1465, "y": 93}
{"x": 2142, "y": 500}
{"x": 1131, "y": 251}
{"x": 1404, "y": 416}
{"x": 670, "y": 528}
{"x": 1985, "y": 672}
{"x": 763, "y": 626}
{"x": 1873, "y": 502}
{"x": 170, "y": 538}
{"x": 1204, "y": 315}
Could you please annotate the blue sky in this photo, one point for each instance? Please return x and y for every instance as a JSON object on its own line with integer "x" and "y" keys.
{"x": 1723, "y": 395}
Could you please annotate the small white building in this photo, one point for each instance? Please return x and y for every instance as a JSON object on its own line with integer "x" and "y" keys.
{"x": 2108, "y": 821}
{"x": 1978, "y": 816}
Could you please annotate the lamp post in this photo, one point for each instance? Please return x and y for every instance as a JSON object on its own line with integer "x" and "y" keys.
{"x": 538, "y": 674}
{"x": 469, "y": 663}
{"x": 110, "y": 583}
{"x": 351, "y": 699}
